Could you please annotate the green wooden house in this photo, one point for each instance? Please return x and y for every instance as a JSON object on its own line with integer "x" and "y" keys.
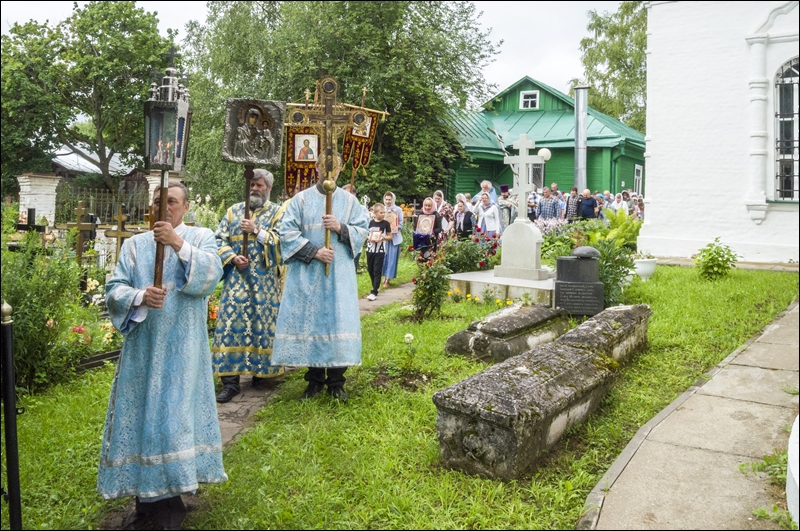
{"x": 615, "y": 152}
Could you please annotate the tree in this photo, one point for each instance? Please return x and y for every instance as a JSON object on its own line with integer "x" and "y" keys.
{"x": 615, "y": 63}
{"x": 417, "y": 60}
{"x": 94, "y": 66}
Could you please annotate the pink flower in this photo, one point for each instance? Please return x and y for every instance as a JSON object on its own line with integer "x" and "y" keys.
{"x": 79, "y": 329}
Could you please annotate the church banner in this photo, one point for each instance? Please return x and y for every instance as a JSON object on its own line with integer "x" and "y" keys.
{"x": 358, "y": 141}
{"x": 302, "y": 149}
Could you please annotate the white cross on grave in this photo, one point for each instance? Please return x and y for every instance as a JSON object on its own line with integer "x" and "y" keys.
{"x": 523, "y": 184}
{"x": 522, "y": 241}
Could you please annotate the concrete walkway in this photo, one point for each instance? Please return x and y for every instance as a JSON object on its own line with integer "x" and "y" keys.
{"x": 681, "y": 470}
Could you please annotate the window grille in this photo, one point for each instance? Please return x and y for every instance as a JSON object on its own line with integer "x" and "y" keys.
{"x": 787, "y": 82}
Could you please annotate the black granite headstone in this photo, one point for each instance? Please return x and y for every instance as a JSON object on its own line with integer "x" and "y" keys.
{"x": 578, "y": 289}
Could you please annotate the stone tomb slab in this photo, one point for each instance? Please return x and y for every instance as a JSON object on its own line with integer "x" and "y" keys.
{"x": 508, "y": 332}
{"x": 617, "y": 332}
{"x": 496, "y": 423}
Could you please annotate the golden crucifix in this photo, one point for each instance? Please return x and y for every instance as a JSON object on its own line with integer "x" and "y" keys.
{"x": 329, "y": 118}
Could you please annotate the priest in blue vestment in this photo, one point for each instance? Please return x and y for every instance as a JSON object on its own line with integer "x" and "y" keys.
{"x": 319, "y": 325}
{"x": 162, "y": 435}
{"x": 251, "y": 294}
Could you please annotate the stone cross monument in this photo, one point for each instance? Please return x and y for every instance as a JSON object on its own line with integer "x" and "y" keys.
{"x": 522, "y": 241}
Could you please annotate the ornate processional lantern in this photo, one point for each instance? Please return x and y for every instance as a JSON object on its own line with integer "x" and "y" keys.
{"x": 167, "y": 120}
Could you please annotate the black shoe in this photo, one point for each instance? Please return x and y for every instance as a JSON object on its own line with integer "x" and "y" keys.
{"x": 226, "y": 394}
{"x": 312, "y": 390}
{"x": 140, "y": 518}
{"x": 338, "y": 393}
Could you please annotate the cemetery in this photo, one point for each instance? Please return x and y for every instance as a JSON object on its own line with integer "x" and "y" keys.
{"x": 551, "y": 374}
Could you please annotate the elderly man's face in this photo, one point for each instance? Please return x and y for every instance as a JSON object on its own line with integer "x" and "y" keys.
{"x": 259, "y": 192}
{"x": 554, "y": 187}
{"x": 177, "y": 206}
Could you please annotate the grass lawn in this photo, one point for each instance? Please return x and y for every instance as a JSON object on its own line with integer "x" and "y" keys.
{"x": 373, "y": 462}
{"x": 406, "y": 269}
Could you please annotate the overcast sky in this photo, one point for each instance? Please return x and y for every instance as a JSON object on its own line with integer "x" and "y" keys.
{"x": 541, "y": 39}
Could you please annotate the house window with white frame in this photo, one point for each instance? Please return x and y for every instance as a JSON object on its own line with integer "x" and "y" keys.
{"x": 529, "y": 99}
{"x": 787, "y": 136}
{"x": 637, "y": 179}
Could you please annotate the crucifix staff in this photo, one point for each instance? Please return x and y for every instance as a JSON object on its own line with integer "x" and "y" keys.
{"x": 328, "y": 117}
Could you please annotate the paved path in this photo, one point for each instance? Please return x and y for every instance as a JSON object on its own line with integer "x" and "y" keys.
{"x": 681, "y": 470}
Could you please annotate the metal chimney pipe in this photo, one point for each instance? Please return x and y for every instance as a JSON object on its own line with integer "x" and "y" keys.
{"x": 581, "y": 106}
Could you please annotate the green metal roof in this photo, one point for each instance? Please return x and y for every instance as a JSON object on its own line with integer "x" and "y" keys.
{"x": 546, "y": 128}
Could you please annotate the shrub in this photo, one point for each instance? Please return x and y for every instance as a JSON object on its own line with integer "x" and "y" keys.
{"x": 431, "y": 285}
{"x": 715, "y": 260}
{"x": 472, "y": 254}
{"x": 616, "y": 262}
{"x": 42, "y": 290}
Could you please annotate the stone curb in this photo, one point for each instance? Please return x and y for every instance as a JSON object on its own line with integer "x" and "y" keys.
{"x": 594, "y": 501}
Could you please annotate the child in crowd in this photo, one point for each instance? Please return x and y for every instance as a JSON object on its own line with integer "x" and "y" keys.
{"x": 380, "y": 232}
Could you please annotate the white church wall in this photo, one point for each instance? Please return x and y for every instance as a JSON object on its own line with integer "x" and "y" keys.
{"x": 701, "y": 134}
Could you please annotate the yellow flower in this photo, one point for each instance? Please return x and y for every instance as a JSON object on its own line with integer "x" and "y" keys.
{"x": 459, "y": 291}
{"x": 497, "y": 301}
{"x": 477, "y": 299}
{"x": 509, "y": 302}
{"x": 449, "y": 293}
{"x": 469, "y": 295}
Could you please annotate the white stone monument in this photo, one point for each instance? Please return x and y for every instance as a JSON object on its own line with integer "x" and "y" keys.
{"x": 522, "y": 241}
{"x": 38, "y": 190}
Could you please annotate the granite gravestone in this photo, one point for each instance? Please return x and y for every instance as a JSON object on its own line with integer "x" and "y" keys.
{"x": 578, "y": 287}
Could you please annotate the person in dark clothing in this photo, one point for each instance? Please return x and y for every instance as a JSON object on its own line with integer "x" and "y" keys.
{"x": 588, "y": 206}
{"x": 379, "y": 232}
{"x": 464, "y": 221}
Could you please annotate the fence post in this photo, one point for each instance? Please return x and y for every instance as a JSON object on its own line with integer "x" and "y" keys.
{"x": 10, "y": 413}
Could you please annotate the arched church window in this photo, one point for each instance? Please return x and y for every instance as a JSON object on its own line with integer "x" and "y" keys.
{"x": 787, "y": 135}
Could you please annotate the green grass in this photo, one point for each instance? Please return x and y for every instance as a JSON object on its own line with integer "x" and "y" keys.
{"x": 373, "y": 462}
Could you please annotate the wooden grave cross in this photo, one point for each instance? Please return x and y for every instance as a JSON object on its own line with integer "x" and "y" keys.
{"x": 81, "y": 226}
{"x": 120, "y": 234}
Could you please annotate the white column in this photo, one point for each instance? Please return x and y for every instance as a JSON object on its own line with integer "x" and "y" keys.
{"x": 38, "y": 190}
{"x": 756, "y": 200}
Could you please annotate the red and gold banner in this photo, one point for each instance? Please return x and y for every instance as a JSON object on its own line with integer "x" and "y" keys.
{"x": 358, "y": 141}
{"x": 302, "y": 150}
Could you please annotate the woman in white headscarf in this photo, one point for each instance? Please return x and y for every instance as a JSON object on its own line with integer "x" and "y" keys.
{"x": 618, "y": 204}
{"x": 393, "y": 247}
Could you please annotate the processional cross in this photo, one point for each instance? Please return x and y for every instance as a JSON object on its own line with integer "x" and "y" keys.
{"x": 329, "y": 118}
{"x": 120, "y": 234}
{"x": 523, "y": 177}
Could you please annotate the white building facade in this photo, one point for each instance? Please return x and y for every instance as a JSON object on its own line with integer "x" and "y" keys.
{"x": 722, "y": 129}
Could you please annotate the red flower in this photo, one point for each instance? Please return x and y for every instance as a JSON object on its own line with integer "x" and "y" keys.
{"x": 494, "y": 236}
{"x": 477, "y": 229}
{"x": 481, "y": 264}
{"x": 494, "y": 245}
{"x": 414, "y": 280}
{"x": 411, "y": 249}
{"x": 477, "y": 240}
{"x": 79, "y": 329}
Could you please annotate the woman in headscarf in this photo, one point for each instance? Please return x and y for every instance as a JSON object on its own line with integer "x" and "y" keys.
{"x": 445, "y": 211}
{"x": 618, "y": 204}
{"x": 393, "y": 247}
{"x": 427, "y": 229}
{"x": 488, "y": 216}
